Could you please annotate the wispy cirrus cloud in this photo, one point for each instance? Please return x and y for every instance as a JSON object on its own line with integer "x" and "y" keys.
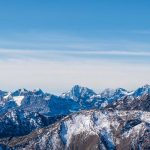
{"x": 49, "y": 62}
{"x": 76, "y": 55}
{"x": 100, "y": 40}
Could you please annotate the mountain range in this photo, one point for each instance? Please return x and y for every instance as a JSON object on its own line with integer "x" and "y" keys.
{"x": 77, "y": 119}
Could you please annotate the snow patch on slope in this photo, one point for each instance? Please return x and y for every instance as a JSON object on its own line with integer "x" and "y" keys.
{"x": 7, "y": 96}
{"x": 18, "y": 99}
{"x": 79, "y": 123}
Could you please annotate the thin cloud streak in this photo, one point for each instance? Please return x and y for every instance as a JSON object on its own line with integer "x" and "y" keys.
{"x": 35, "y": 53}
{"x": 52, "y": 40}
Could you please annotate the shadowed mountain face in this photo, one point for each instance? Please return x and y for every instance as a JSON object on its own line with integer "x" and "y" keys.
{"x": 121, "y": 120}
{"x": 37, "y": 101}
{"x": 132, "y": 103}
{"x": 19, "y": 122}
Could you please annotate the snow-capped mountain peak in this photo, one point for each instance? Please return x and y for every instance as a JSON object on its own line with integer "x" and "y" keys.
{"x": 112, "y": 92}
{"x": 110, "y": 95}
{"x": 142, "y": 90}
{"x": 38, "y": 92}
{"x": 78, "y": 92}
{"x": 107, "y": 92}
{"x": 20, "y": 92}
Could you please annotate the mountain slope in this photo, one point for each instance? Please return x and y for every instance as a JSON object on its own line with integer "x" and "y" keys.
{"x": 37, "y": 101}
{"x": 92, "y": 129}
{"x": 132, "y": 103}
{"x": 20, "y": 122}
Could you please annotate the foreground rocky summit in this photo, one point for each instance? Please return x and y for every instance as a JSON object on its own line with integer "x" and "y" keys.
{"x": 92, "y": 130}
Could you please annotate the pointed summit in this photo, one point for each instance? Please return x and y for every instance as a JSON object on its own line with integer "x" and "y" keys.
{"x": 38, "y": 92}
{"x": 3, "y": 93}
{"x": 107, "y": 93}
{"x": 20, "y": 92}
{"x": 142, "y": 90}
{"x": 78, "y": 92}
{"x": 146, "y": 86}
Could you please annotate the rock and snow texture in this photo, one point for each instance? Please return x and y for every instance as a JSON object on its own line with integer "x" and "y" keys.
{"x": 88, "y": 99}
{"x": 37, "y": 101}
{"x": 122, "y": 123}
{"x": 78, "y": 93}
{"x": 121, "y": 130}
{"x": 19, "y": 122}
{"x": 78, "y": 98}
{"x": 133, "y": 103}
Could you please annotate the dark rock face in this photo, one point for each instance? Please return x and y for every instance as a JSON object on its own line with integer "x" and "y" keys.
{"x": 5, "y": 107}
{"x": 4, "y": 147}
{"x": 82, "y": 141}
{"x": 19, "y": 122}
{"x": 130, "y": 124}
{"x": 133, "y": 103}
{"x": 144, "y": 141}
{"x": 49, "y": 105}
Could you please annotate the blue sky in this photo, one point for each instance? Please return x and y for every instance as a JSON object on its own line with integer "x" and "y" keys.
{"x": 55, "y": 44}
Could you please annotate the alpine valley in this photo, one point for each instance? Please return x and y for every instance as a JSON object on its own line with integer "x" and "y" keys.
{"x": 79, "y": 119}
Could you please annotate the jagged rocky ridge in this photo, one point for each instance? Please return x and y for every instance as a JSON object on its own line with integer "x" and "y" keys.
{"x": 76, "y": 99}
{"x": 19, "y": 122}
{"x": 139, "y": 100}
{"x": 37, "y": 109}
{"x": 37, "y": 101}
